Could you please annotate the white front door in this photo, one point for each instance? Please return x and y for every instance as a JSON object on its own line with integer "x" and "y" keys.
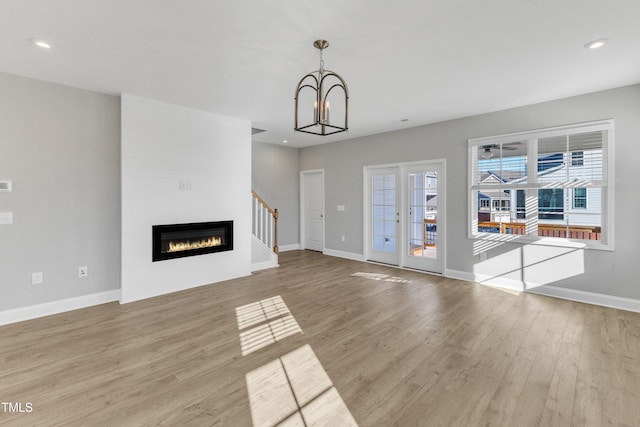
{"x": 383, "y": 215}
{"x": 313, "y": 210}
{"x": 424, "y": 213}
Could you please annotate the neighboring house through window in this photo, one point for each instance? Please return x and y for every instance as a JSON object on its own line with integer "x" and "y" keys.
{"x": 544, "y": 184}
{"x": 577, "y": 158}
{"x": 551, "y": 203}
{"x": 580, "y": 198}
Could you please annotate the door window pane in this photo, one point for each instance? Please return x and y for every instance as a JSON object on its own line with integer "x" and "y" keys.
{"x": 384, "y": 212}
{"x": 423, "y": 203}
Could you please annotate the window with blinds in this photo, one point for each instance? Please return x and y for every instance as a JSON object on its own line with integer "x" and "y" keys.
{"x": 543, "y": 185}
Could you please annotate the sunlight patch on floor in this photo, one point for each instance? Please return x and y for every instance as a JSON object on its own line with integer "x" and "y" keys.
{"x": 381, "y": 277}
{"x": 295, "y": 390}
{"x": 258, "y": 312}
{"x": 503, "y": 289}
{"x": 269, "y": 321}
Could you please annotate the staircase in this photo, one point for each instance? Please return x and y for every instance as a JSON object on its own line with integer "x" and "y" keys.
{"x": 264, "y": 241}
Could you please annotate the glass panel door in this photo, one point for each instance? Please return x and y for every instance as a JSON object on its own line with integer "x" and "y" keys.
{"x": 423, "y": 208}
{"x": 384, "y": 216}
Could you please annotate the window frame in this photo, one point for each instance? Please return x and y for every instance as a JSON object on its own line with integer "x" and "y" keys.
{"x": 531, "y": 138}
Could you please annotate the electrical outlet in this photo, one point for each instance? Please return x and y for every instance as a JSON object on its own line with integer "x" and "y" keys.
{"x": 36, "y": 278}
{"x": 342, "y": 238}
{"x": 83, "y": 271}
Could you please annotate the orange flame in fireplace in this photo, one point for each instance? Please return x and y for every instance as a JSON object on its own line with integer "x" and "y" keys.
{"x": 188, "y": 245}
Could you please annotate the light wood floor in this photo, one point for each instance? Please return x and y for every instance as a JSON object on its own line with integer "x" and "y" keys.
{"x": 397, "y": 347}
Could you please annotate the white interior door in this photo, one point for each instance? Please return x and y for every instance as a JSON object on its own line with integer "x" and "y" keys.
{"x": 424, "y": 215}
{"x": 383, "y": 215}
{"x": 313, "y": 210}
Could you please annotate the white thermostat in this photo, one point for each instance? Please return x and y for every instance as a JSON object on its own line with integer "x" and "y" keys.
{"x": 5, "y": 185}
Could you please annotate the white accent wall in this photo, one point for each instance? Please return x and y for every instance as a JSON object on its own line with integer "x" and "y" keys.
{"x": 181, "y": 165}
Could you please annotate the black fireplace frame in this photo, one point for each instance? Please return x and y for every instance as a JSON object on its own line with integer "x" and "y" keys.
{"x": 158, "y": 230}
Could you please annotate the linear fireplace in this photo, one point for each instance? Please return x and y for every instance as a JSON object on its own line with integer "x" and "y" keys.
{"x": 182, "y": 240}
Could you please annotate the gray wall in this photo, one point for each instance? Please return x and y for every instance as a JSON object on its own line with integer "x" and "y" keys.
{"x": 275, "y": 177}
{"x": 61, "y": 148}
{"x": 613, "y": 273}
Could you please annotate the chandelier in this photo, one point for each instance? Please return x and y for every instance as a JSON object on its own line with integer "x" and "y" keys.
{"x": 317, "y": 86}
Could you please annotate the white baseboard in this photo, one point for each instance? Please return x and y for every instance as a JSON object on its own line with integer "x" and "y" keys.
{"x": 46, "y": 309}
{"x": 457, "y": 274}
{"x": 611, "y": 301}
{"x": 496, "y": 282}
{"x": 287, "y": 248}
{"x": 341, "y": 254}
{"x": 264, "y": 265}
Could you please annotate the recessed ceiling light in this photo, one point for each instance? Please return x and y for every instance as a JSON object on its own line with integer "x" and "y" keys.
{"x": 41, "y": 43}
{"x": 595, "y": 44}
{"x": 284, "y": 141}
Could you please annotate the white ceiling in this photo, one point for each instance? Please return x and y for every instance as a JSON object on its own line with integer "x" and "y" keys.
{"x": 421, "y": 60}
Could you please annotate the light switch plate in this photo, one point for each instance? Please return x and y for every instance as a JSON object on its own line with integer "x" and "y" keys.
{"x": 36, "y": 278}
{"x": 6, "y": 217}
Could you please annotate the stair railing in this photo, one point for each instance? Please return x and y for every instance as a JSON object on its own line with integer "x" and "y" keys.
{"x": 265, "y": 222}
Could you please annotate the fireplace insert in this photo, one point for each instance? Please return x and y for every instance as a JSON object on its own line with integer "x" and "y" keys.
{"x": 183, "y": 240}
